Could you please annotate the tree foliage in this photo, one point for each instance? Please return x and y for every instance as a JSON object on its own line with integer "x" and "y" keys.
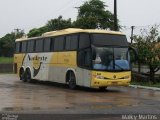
{"x": 58, "y": 24}
{"x": 52, "y": 25}
{"x": 92, "y": 14}
{"x": 148, "y": 46}
{"x": 37, "y": 31}
{"x": 7, "y": 43}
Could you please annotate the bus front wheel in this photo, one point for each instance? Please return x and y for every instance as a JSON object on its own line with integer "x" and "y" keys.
{"x": 72, "y": 81}
{"x": 102, "y": 88}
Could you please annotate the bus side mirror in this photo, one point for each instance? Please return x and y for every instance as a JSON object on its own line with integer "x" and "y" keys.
{"x": 133, "y": 54}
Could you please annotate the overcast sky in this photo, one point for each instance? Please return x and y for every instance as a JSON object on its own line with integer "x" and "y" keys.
{"x": 27, "y": 14}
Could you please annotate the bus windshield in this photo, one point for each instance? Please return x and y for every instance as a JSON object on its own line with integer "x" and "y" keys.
{"x": 109, "y": 40}
{"x": 111, "y": 58}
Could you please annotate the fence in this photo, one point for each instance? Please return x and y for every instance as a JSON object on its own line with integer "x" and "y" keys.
{"x": 143, "y": 69}
{"x": 142, "y": 74}
{"x": 6, "y": 68}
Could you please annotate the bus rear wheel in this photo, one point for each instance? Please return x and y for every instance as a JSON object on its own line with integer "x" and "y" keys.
{"x": 72, "y": 81}
{"x": 28, "y": 76}
{"x": 22, "y": 75}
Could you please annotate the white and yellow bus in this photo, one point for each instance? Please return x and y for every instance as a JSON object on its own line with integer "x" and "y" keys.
{"x": 76, "y": 57}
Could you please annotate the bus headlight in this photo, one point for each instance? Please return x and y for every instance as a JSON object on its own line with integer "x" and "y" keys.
{"x": 99, "y": 77}
{"x": 126, "y": 77}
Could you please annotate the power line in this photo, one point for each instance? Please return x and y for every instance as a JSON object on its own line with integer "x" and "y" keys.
{"x": 139, "y": 26}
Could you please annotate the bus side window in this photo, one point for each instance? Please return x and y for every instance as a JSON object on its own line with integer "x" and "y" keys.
{"x": 31, "y": 46}
{"x": 74, "y": 42}
{"x": 84, "y": 41}
{"x": 18, "y": 47}
{"x": 39, "y": 45}
{"x": 59, "y": 43}
{"x": 52, "y": 44}
{"x": 68, "y": 43}
{"x": 24, "y": 47}
{"x": 71, "y": 42}
{"x": 84, "y": 53}
{"x": 47, "y": 45}
{"x": 84, "y": 58}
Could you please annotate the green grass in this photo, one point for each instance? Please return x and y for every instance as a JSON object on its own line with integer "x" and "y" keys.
{"x": 148, "y": 84}
{"x": 4, "y": 60}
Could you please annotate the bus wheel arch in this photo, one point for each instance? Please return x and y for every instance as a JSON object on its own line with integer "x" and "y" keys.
{"x": 71, "y": 79}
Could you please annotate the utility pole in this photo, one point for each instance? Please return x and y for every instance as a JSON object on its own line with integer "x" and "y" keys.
{"x": 132, "y": 28}
{"x": 17, "y": 30}
{"x": 115, "y": 16}
{"x": 139, "y": 64}
{"x": 18, "y": 33}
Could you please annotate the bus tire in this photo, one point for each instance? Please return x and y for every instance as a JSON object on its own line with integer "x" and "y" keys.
{"x": 22, "y": 75}
{"x": 72, "y": 81}
{"x": 28, "y": 75}
{"x": 102, "y": 88}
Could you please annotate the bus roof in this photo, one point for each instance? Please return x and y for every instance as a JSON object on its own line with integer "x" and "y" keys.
{"x": 70, "y": 31}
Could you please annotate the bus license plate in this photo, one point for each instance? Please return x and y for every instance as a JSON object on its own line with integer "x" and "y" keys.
{"x": 114, "y": 83}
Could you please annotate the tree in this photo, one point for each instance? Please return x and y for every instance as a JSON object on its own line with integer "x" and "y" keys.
{"x": 148, "y": 46}
{"x": 7, "y": 43}
{"x": 58, "y": 24}
{"x": 92, "y": 14}
{"x": 52, "y": 25}
{"x": 37, "y": 31}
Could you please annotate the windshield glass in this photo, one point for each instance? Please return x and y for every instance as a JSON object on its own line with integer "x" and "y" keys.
{"x": 110, "y": 58}
{"x": 109, "y": 40}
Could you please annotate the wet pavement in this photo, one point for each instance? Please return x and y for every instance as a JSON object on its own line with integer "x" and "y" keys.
{"x": 44, "y": 97}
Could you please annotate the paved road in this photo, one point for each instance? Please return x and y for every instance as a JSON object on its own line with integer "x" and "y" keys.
{"x": 40, "y": 97}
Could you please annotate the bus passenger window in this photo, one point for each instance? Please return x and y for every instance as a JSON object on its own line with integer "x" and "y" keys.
{"x": 39, "y": 45}
{"x": 47, "y": 44}
{"x": 84, "y": 41}
{"x": 84, "y": 58}
{"x": 71, "y": 42}
{"x": 30, "y": 47}
{"x": 74, "y": 42}
{"x": 18, "y": 47}
{"x": 59, "y": 43}
{"x": 68, "y": 43}
{"x": 24, "y": 47}
{"x": 52, "y": 44}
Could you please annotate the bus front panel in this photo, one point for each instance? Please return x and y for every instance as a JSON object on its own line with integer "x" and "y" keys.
{"x": 104, "y": 79}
